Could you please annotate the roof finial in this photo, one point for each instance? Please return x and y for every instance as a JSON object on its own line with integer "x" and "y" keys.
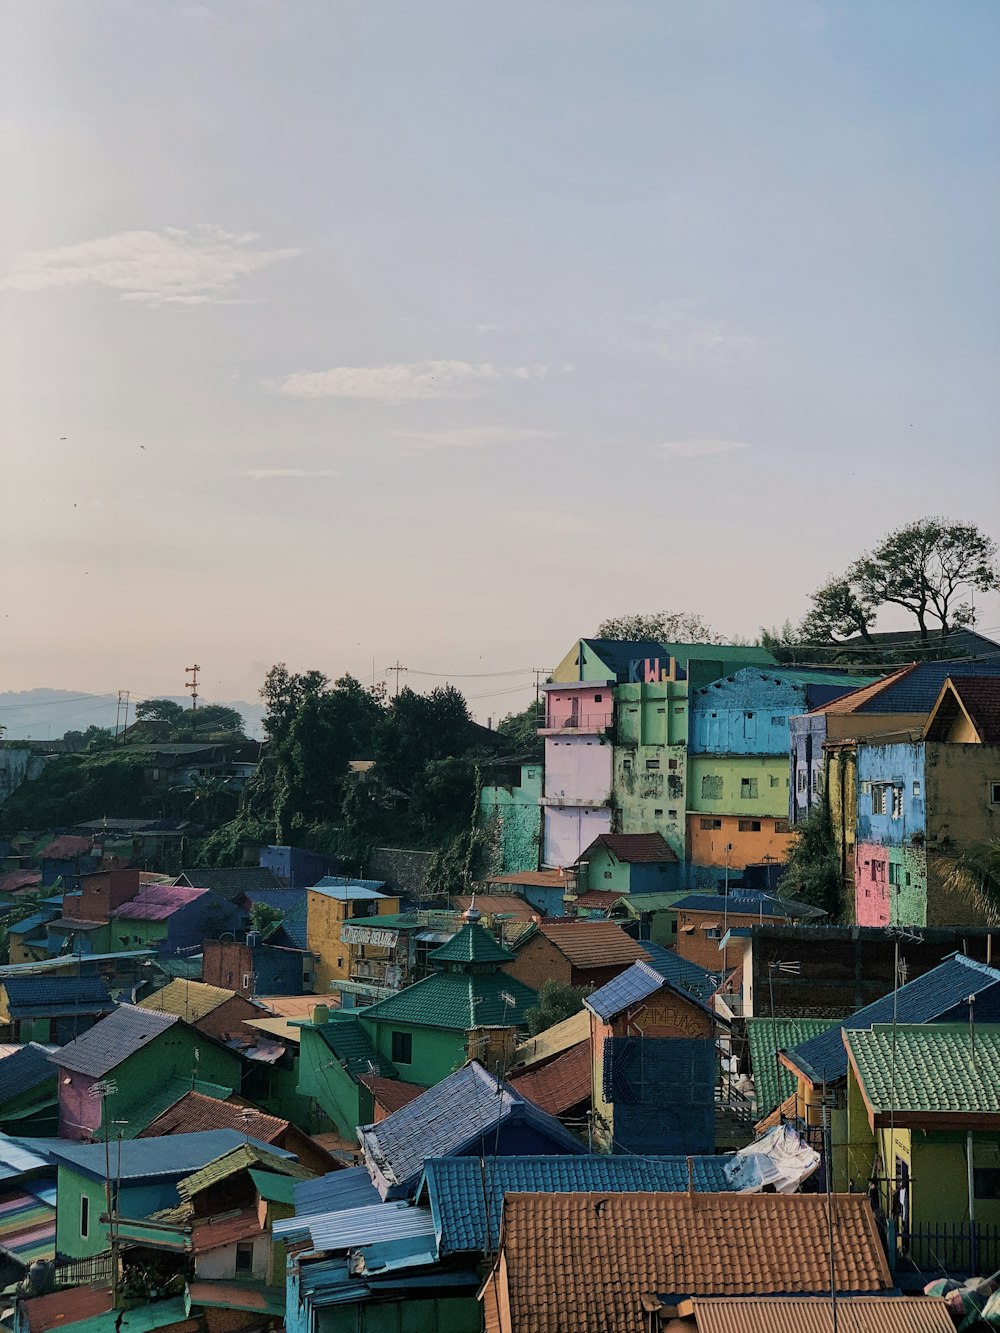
{"x": 472, "y": 913}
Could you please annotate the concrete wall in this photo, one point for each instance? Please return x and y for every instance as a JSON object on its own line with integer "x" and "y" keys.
{"x": 403, "y": 869}
{"x": 17, "y": 766}
{"x": 750, "y": 786}
{"x": 807, "y": 763}
{"x": 568, "y": 832}
{"x": 512, "y": 820}
{"x": 744, "y": 714}
{"x": 577, "y": 768}
{"x": 707, "y": 845}
{"x": 591, "y": 707}
{"x": 221, "y": 1263}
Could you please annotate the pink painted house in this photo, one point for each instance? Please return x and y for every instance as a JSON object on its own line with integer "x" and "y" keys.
{"x": 576, "y": 794}
{"x": 582, "y": 706}
{"x": 871, "y": 885}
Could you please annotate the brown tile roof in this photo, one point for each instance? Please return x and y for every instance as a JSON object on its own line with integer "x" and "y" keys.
{"x": 560, "y": 1085}
{"x": 491, "y": 904}
{"x": 850, "y": 703}
{"x": 194, "y": 1112}
{"x": 577, "y": 1262}
{"x": 14, "y": 881}
{"x": 814, "y": 1314}
{"x": 66, "y": 1307}
{"x": 980, "y": 697}
{"x": 538, "y": 879}
{"x": 599, "y": 898}
{"x": 591, "y": 943}
{"x": 391, "y": 1093}
{"x": 634, "y": 848}
{"x": 67, "y": 848}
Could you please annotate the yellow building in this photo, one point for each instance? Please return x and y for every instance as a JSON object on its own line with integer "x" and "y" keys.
{"x": 331, "y": 903}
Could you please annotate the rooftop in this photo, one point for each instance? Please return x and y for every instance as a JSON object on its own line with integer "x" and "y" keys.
{"x": 496, "y": 904}
{"x": 349, "y": 1042}
{"x": 63, "y": 994}
{"x": 925, "y": 999}
{"x": 633, "y": 986}
{"x": 345, "y": 889}
{"x": 241, "y": 1154}
{"x": 27, "y": 1068}
{"x": 554, "y": 1040}
{"x": 66, "y": 1307}
{"x": 747, "y": 902}
{"x": 568, "y": 1271}
{"x": 190, "y": 1000}
{"x": 814, "y": 1314}
{"x": 350, "y": 1188}
{"x": 977, "y": 697}
{"x": 533, "y": 879}
{"x": 586, "y": 944}
{"x": 454, "y": 1186}
{"x": 939, "y": 1071}
{"x": 458, "y": 1002}
{"x": 66, "y": 848}
{"x": 157, "y": 902}
{"x": 195, "y": 1112}
{"x": 472, "y": 944}
{"x": 447, "y": 1119}
{"x": 696, "y": 980}
{"x": 231, "y": 882}
{"x": 113, "y": 1040}
{"x": 561, "y": 1084}
{"x": 772, "y": 1081}
{"x": 633, "y": 848}
{"x": 912, "y": 689}
{"x": 392, "y": 1094}
{"x": 141, "y": 1159}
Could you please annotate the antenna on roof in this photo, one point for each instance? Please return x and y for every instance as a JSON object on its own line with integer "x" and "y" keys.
{"x": 192, "y": 684}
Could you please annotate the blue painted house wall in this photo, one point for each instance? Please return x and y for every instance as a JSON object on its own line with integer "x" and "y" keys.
{"x": 296, "y": 866}
{"x": 900, "y": 765}
{"x": 807, "y": 734}
{"x": 278, "y": 971}
{"x": 69, "y": 871}
{"x": 749, "y": 711}
{"x": 208, "y": 915}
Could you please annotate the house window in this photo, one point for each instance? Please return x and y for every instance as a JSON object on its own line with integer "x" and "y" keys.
{"x": 878, "y": 798}
{"x": 713, "y": 933}
{"x": 671, "y": 763}
{"x": 246, "y": 980}
{"x": 749, "y": 825}
{"x": 84, "y": 1217}
{"x": 244, "y": 1256}
{"x": 680, "y": 709}
{"x": 897, "y": 803}
{"x": 402, "y": 1048}
{"x": 778, "y": 721}
{"x": 671, "y": 814}
{"x": 711, "y": 787}
{"x": 772, "y": 781}
{"x": 878, "y": 872}
{"x": 748, "y": 789}
{"x": 657, "y": 814}
{"x": 652, "y": 765}
{"x": 626, "y": 765}
{"x": 598, "y": 698}
{"x": 894, "y": 870}
{"x": 815, "y": 783}
{"x": 986, "y": 1182}
{"x": 800, "y": 779}
{"x": 608, "y": 874}
{"x": 661, "y": 710}
{"x": 995, "y": 793}
{"x": 916, "y": 791}
{"x": 711, "y": 823}
{"x": 781, "y": 826}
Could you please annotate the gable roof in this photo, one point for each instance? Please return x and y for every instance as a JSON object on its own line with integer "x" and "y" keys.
{"x": 682, "y": 972}
{"x": 633, "y": 986}
{"x": 912, "y": 689}
{"x": 457, "y": 1002}
{"x": 472, "y": 944}
{"x": 239, "y": 1156}
{"x": 561, "y": 1084}
{"x": 772, "y": 1082}
{"x": 113, "y": 1040}
{"x": 496, "y": 904}
{"x": 978, "y": 697}
{"x": 190, "y": 1000}
{"x": 567, "y": 1270}
{"x": 230, "y": 882}
{"x": 553, "y": 1041}
{"x": 747, "y": 902}
{"x": 55, "y": 994}
{"x": 156, "y": 902}
{"x": 67, "y": 847}
{"x": 588, "y": 943}
{"x": 349, "y": 1042}
{"x": 349, "y": 1188}
{"x": 457, "y": 1194}
{"x": 915, "y": 1072}
{"x": 464, "y": 1108}
{"x": 195, "y": 1112}
{"x": 170, "y": 1155}
{"x": 923, "y": 1000}
{"x": 633, "y": 848}
{"x": 24, "y": 1070}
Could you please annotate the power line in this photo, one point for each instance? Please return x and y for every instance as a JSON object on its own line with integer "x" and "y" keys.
{"x": 54, "y": 703}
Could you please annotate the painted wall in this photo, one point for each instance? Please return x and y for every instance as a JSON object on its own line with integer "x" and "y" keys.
{"x": 297, "y": 867}
{"x": 324, "y": 921}
{"x": 221, "y": 1263}
{"x": 608, "y": 873}
{"x": 745, "y": 785}
{"x": 807, "y": 763}
{"x": 436, "y": 1053}
{"x": 577, "y": 768}
{"x": 136, "y": 1201}
{"x": 582, "y": 707}
{"x": 892, "y": 775}
{"x": 744, "y": 714}
{"x": 761, "y": 840}
{"x": 568, "y": 832}
{"x": 512, "y": 820}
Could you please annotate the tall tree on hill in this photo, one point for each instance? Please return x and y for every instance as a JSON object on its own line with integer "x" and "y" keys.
{"x": 659, "y": 627}
{"x": 929, "y": 568}
{"x": 418, "y": 728}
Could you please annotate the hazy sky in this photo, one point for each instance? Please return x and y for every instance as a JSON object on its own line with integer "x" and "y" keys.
{"x": 440, "y": 331}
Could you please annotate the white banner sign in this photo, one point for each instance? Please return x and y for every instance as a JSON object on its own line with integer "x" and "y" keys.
{"x": 384, "y": 939}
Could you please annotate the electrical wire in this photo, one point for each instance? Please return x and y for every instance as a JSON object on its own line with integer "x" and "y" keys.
{"x": 55, "y": 703}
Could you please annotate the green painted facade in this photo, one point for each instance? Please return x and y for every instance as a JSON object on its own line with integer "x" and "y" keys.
{"x": 448, "y": 1314}
{"x": 658, "y": 922}
{"x": 180, "y": 1052}
{"x": 511, "y": 818}
{"x": 648, "y": 783}
{"x": 436, "y": 1053}
{"x": 907, "y": 871}
{"x": 743, "y": 785}
{"x": 327, "y": 1084}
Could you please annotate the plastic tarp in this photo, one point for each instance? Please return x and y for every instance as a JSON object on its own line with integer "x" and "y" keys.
{"x": 780, "y": 1159}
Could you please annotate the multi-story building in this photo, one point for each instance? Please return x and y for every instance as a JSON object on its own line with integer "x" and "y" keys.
{"x": 332, "y": 902}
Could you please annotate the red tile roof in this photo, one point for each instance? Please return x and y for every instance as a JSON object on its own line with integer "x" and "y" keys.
{"x": 14, "y": 881}
{"x": 66, "y": 1307}
{"x": 577, "y": 1262}
{"x": 850, "y": 703}
{"x": 634, "y": 848}
{"x": 980, "y": 697}
{"x": 194, "y": 1112}
{"x": 67, "y": 848}
{"x": 814, "y": 1314}
{"x": 599, "y": 898}
{"x": 561, "y": 1084}
{"x": 214, "y": 1235}
{"x": 493, "y": 904}
{"x": 390, "y": 1093}
{"x": 590, "y": 943}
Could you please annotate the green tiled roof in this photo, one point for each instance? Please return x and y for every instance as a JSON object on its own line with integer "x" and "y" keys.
{"x": 246, "y": 1155}
{"x": 772, "y": 1084}
{"x": 472, "y": 944}
{"x": 349, "y": 1043}
{"x": 930, "y": 1068}
{"x": 457, "y": 1002}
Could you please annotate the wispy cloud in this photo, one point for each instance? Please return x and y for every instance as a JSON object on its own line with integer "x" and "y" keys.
{"x": 164, "y": 267}
{"x": 471, "y": 437}
{"x": 679, "y": 331}
{"x": 403, "y": 382}
{"x": 702, "y": 448}
{"x": 280, "y": 473}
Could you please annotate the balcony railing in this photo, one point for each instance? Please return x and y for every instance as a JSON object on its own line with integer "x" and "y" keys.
{"x": 583, "y": 722}
{"x": 953, "y": 1248}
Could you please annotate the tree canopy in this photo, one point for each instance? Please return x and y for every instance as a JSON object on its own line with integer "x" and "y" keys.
{"x": 659, "y": 627}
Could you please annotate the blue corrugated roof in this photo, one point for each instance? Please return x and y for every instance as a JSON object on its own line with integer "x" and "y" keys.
{"x": 71, "y": 993}
{"x": 697, "y": 981}
{"x": 350, "y": 1188}
{"x": 30, "y": 923}
{"x": 925, "y": 999}
{"x": 746, "y": 902}
{"x": 347, "y": 1228}
{"x": 448, "y": 1119}
{"x": 917, "y": 691}
{"x": 169, "y": 1155}
{"x": 455, "y": 1187}
{"x": 23, "y": 1070}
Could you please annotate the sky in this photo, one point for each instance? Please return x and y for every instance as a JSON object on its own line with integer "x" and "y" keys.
{"x": 347, "y": 334}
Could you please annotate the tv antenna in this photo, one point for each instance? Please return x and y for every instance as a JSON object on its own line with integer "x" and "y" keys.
{"x": 192, "y": 684}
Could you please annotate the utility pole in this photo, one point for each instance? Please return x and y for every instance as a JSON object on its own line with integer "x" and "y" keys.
{"x": 192, "y": 684}
{"x": 122, "y": 703}
{"x": 397, "y": 668}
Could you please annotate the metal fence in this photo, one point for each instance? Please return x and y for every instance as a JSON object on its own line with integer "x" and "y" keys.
{"x": 952, "y": 1248}
{"x": 80, "y": 1272}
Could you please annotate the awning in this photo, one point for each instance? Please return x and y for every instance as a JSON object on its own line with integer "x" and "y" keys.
{"x": 711, "y": 925}
{"x": 435, "y": 936}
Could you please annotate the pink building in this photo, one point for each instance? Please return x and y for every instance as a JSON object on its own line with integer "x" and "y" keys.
{"x": 576, "y": 795}
{"x": 583, "y": 706}
{"x": 871, "y": 885}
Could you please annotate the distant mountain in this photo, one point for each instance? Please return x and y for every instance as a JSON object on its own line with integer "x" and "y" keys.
{"x": 46, "y": 715}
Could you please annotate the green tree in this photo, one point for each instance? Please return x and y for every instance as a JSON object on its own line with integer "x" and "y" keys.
{"x": 265, "y": 919}
{"x": 94, "y": 738}
{"x": 519, "y": 731}
{"x": 812, "y": 871}
{"x": 214, "y": 720}
{"x": 418, "y": 728}
{"x": 659, "y": 627}
{"x": 444, "y": 800}
{"x": 160, "y": 710}
{"x": 556, "y": 1001}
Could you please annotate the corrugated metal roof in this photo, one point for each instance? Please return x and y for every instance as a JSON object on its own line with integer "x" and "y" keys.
{"x": 173, "y": 1155}
{"x": 190, "y": 1000}
{"x": 814, "y": 1314}
{"x": 746, "y": 902}
{"x": 237, "y": 1296}
{"x": 27, "y": 1226}
{"x": 156, "y": 902}
{"x": 350, "y": 1188}
{"x": 113, "y": 1040}
{"x": 68, "y": 994}
{"x": 30, "y": 1067}
{"x": 347, "y": 1228}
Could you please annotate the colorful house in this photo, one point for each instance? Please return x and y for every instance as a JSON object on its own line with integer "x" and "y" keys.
{"x": 334, "y": 1054}
{"x": 124, "y": 1060}
{"x": 655, "y": 1066}
{"x": 923, "y": 1117}
{"x": 468, "y": 1008}
{"x": 704, "y": 920}
{"x": 650, "y": 760}
{"x": 66, "y": 859}
{"x": 213, "y": 1010}
{"x": 332, "y": 902}
{"x": 577, "y": 953}
{"x": 51, "y": 1008}
{"x": 576, "y": 797}
{"x": 469, "y": 1113}
{"x": 29, "y": 1097}
{"x": 510, "y": 813}
{"x": 630, "y": 863}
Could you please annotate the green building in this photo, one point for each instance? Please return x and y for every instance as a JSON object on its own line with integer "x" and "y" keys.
{"x": 510, "y": 814}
